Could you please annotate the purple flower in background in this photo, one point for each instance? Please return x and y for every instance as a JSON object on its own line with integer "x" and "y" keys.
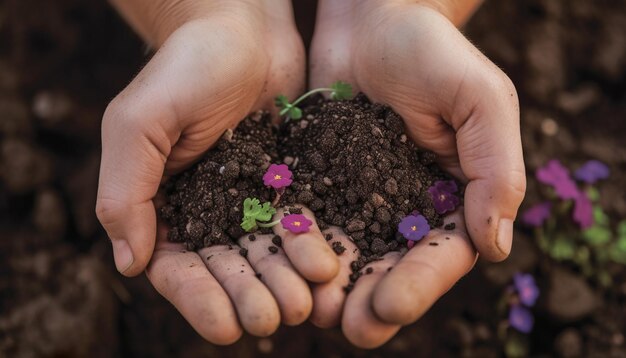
{"x": 526, "y": 288}
{"x": 592, "y": 171}
{"x": 521, "y": 319}
{"x": 583, "y": 211}
{"x": 413, "y": 227}
{"x": 442, "y": 194}
{"x": 556, "y": 175}
{"x": 537, "y": 214}
{"x": 277, "y": 176}
{"x": 296, "y": 223}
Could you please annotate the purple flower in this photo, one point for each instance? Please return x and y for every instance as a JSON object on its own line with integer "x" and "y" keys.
{"x": 537, "y": 214}
{"x": 526, "y": 288}
{"x": 592, "y": 171}
{"x": 296, "y": 223}
{"x": 556, "y": 175}
{"x": 414, "y": 227}
{"x": 521, "y": 319}
{"x": 442, "y": 194}
{"x": 277, "y": 176}
{"x": 583, "y": 211}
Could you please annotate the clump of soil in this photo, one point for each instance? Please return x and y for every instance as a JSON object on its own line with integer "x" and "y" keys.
{"x": 205, "y": 202}
{"x": 352, "y": 165}
{"x": 355, "y": 168}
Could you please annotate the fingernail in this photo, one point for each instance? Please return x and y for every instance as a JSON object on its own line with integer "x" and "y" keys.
{"x": 505, "y": 236}
{"x": 123, "y": 255}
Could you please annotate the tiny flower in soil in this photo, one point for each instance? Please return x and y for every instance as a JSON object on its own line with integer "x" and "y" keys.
{"x": 526, "y": 288}
{"x": 442, "y": 194}
{"x": 521, "y": 319}
{"x": 583, "y": 211}
{"x": 557, "y": 176}
{"x": 296, "y": 223}
{"x": 277, "y": 176}
{"x": 592, "y": 171}
{"x": 537, "y": 214}
{"x": 414, "y": 227}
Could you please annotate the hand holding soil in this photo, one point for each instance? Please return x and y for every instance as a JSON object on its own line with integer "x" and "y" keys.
{"x": 456, "y": 103}
{"x": 218, "y": 65}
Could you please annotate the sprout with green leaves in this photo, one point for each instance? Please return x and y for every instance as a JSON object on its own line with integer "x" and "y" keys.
{"x": 338, "y": 91}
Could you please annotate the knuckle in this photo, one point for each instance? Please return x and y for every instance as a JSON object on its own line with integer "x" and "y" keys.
{"x": 109, "y": 210}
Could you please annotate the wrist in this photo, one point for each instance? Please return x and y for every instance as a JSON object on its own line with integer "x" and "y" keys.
{"x": 156, "y": 20}
{"x": 457, "y": 11}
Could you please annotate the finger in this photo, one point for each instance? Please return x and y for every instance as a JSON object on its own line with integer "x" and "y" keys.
{"x": 181, "y": 277}
{"x": 424, "y": 274}
{"x": 308, "y": 252}
{"x": 256, "y": 308}
{"x": 359, "y": 322}
{"x": 291, "y": 291}
{"x": 329, "y": 297}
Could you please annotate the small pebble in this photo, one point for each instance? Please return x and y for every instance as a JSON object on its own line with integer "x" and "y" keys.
{"x": 288, "y": 160}
{"x": 273, "y": 249}
{"x": 327, "y": 181}
{"x": 251, "y": 237}
{"x": 243, "y": 252}
{"x": 277, "y": 240}
{"x": 450, "y": 226}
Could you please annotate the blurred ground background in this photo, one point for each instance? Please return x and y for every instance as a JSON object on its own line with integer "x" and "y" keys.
{"x": 62, "y": 61}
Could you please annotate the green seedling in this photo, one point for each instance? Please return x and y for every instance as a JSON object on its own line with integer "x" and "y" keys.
{"x": 338, "y": 91}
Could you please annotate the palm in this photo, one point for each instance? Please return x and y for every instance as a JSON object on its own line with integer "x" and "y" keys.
{"x": 412, "y": 58}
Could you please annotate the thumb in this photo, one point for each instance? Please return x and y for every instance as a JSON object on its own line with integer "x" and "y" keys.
{"x": 138, "y": 128}
{"x": 490, "y": 154}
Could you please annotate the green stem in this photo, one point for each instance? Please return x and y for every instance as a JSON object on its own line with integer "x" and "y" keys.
{"x": 301, "y": 98}
{"x": 273, "y": 223}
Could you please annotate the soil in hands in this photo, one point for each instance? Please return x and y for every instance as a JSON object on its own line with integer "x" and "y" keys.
{"x": 353, "y": 166}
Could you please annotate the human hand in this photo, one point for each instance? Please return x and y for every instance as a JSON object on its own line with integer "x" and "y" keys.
{"x": 216, "y": 62}
{"x": 456, "y": 103}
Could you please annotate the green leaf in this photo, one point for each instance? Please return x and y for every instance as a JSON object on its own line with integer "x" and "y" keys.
{"x": 266, "y": 213}
{"x": 617, "y": 251}
{"x": 582, "y": 256}
{"x": 562, "y": 249}
{"x": 248, "y": 223}
{"x": 281, "y": 101}
{"x": 515, "y": 347}
{"x": 599, "y": 217}
{"x": 295, "y": 113}
{"x": 593, "y": 194}
{"x": 341, "y": 90}
{"x": 251, "y": 207}
{"x": 621, "y": 230}
{"x": 597, "y": 235}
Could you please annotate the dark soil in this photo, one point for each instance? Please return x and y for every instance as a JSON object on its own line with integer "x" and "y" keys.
{"x": 205, "y": 202}
{"x": 352, "y": 165}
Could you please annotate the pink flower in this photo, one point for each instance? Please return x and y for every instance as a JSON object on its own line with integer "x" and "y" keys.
{"x": 557, "y": 176}
{"x": 277, "y": 176}
{"x": 583, "y": 211}
{"x": 296, "y": 223}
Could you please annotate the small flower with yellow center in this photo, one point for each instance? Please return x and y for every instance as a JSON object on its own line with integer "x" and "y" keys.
{"x": 296, "y": 223}
{"x": 414, "y": 227}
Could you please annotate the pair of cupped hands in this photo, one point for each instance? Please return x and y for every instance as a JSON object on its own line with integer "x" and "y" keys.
{"x": 218, "y": 61}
